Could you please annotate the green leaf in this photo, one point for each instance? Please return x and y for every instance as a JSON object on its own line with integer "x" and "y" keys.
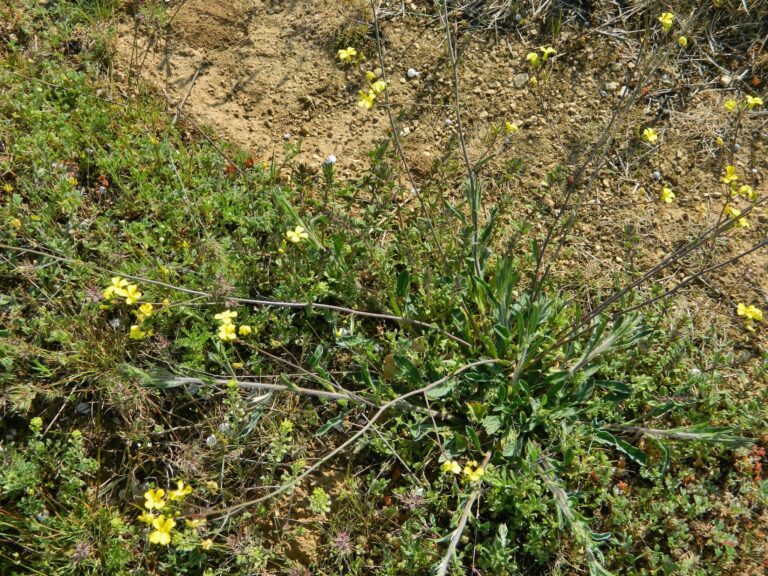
{"x": 618, "y": 390}
{"x": 492, "y": 424}
{"x": 634, "y": 454}
{"x": 408, "y": 370}
{"x": 474, "y": 438}
{"x": 440, "y": 391}
{"x": 335, "y": 421}
{"x": 403, "y": 283}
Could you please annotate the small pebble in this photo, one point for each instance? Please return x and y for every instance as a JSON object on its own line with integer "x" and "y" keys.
{"x": 656, "y": 175}
{"x": 412, "y": 73}
{"x": 521, "y": 79}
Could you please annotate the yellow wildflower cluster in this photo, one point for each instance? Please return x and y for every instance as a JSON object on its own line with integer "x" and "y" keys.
{"x": 667, "y": 196}
{"x": 750, "y": 102}
{"x": 535, "y": 60}
{"x": 228, "y": 330}
{"x": 158, "y": 499}
{"x": 666, "y": 19}
{"x": 650, "y": 135}
{"x": 120, "y": 288}
{"x": 296, "y": 235}
{"x": 375, "y": 87}
{"x": 350, "y": 55}
{"x": 472, "y": 471}
{"x": 751, "y": 314}
{"x": 731, "y": 178}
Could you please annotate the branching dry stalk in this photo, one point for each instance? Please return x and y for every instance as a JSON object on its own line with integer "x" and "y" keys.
{"x": 230, "y": 510}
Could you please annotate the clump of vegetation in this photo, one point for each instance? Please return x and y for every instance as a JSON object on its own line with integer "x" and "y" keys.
{"x": 213, "y": 364}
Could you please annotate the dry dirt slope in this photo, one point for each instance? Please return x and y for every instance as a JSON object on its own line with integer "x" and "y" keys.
{"x": 262, "y": 72}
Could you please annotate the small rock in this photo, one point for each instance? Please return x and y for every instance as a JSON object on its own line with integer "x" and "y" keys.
{"x": 611, "y": 86}
{"x": 725, "y": 80}
{"x": 617, "y": 67}
{"x": 412, "y": 73}
{"x": 521, "y": 79}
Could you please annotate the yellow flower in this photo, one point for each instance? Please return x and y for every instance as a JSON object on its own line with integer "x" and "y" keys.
{"x": 378, "y": 87}
{"x": 742, "y": 223}
{"x": 162, "y": 532}
{"x": 206, "y": 544}
{"x": 226, "y": 316}
{"x": 731, "y": 211}
{"x": 154, "y": 499}
{"x": 227, "y": 332}
{"x": 366, "y": 100}
{"x": 650, "y": 135}
{"x": 347, "y": 54}
{"x": 667, "y": 195}
{"x": 296, "y": 235}
{"x": 144, "y": 311}
{"x": 473, "y": 472}
{"x": 146, "y": 517}
{"x": 194, "y": 522}
{"x": 754, "y": 101}
{"x": 533, "y": 59}
{"x": 510, "y": 128}
{"x": 666, "y": 19}
{"x": 8, "y": 187}
{"x": 751, "y": 312}
{"x": 166, "y": 302}
{"x": 730, "y": 175}
{"x": 244, "y": 330}
{"x": 237, "y": 365}
{"x": 682, "y": 41}
{"x": 731, "y": 105}
{"x": 180, "y": 492}
{"x": 533, "y": 81}
{"x": 748, "y": 191}
{"x": 16, "y": 223}
{"x": 136, "y": 333}
{"x": 116, "y": 288}
{"x": 450, "y": 467}
{"x": 132, "y": 294}
{"x": 370, "y": 76}
{"x": 547, "y": 51}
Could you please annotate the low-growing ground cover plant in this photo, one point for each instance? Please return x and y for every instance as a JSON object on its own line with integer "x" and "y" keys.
{"x": 216, "y": 364}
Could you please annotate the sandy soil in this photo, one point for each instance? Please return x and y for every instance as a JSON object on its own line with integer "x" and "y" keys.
{"x": 264, "y": 72}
